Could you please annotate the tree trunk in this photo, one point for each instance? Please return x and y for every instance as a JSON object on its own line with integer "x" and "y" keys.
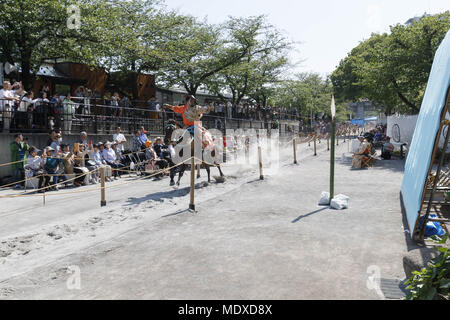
{"x": 26, "y": 69}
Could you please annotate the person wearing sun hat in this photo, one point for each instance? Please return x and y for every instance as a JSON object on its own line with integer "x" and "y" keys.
{"x": 33, "y": 162}
{"x": 50, "y": 165}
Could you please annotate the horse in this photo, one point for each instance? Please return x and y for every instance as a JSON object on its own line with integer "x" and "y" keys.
{"x": 207, "y": 166}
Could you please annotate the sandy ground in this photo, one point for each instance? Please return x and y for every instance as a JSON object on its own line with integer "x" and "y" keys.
{"x": 249, "y": 239}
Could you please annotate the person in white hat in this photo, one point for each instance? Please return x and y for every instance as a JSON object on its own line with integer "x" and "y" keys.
{"x": 34, "y": 163}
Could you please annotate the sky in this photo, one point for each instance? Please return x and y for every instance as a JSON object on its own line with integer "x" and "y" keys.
{"x": 327, "y": 30}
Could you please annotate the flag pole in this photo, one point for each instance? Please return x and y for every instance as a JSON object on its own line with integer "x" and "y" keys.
{"x": 333, "y": 146}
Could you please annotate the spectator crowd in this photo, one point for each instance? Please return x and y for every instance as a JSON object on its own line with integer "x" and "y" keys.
{"x": 79, "y": 164}
{"x": 22, "y": 111}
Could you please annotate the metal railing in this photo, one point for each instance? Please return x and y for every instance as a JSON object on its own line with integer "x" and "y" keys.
{"x": 102, "y": 116}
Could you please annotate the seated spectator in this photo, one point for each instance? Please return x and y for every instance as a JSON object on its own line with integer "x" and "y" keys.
{"x": 50, "y": 167}
{"x": 80, "y": 170}
{"x": 67, "y": 158}
{"x": 96, "y": 156}
{"x": 109, "y": 155}
{"x": 361, "y": 154}
{"x": 137, "y": 144}
{"x": 84, "y": 139}
{"x": 143, "y": 136}
{"x": 34, "y": 163}
{"x": 94, "y": 173}
{"x": 154, "y": 158}
{"x": 387, "y": 149}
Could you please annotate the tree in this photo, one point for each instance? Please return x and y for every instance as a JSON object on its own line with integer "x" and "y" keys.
{"x": 32, "y": 31}
{"x": 308, "y": 91}
{"x": 198, "y": 51}
{"x": 392, "y": 69}
{"x": 25, "y": 26}
{"x": 262, "y": 66}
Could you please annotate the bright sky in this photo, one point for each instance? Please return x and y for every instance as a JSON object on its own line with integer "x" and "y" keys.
{"x": 327, "y": 29}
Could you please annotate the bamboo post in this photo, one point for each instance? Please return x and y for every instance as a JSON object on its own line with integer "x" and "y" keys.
{"x": 102, "y": 186}
{"x": 315, "y": 146}
{"x": 332, "y": 157}
{"x": 192, "y": 200}
{"x": 261, "y": 175}
{"x": 295, "y": 150}
{"x": 43, "y": 194}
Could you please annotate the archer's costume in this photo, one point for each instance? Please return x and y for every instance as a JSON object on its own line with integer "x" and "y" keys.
{"x": 192, "y": 120}
{"x": 362, "y": 155}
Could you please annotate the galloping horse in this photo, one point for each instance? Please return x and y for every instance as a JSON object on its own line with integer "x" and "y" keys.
{"x": 207, "y": 145}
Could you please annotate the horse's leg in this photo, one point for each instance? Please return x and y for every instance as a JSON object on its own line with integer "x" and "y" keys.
{"x": 199, "y": 166}
{"x": 180, "y": 175}
{"x": 173, "y": 173}
{"x": 208, "y": 170}
{"x": 220, "y": 169}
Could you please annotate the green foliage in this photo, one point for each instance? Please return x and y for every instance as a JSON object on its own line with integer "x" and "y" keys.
{"x": 433, "y": 282}
{"x": 261, "y": 66}
{"x": 243, "y": 55}
{"x": 392, "y": 69}
{"x": 308, "y": 90}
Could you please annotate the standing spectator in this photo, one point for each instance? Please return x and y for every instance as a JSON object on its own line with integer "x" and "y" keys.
{"x": 119, "y": 139}
{"x": 229, "y": 110}
{"x": 7, "y": 100}
{"x": 220, "y": 108}
{"x": 69, "y": 111}
{"x": 18, "y": 148}
{"x": 115, "y": 103}
{"x": 29, "y": 105}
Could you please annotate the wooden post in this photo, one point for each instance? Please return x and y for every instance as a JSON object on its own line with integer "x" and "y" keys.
{"x": 192, "y": 201}
{"x": 43, "y": 195}
{"x": 261, "y": 175}
{"x": 315, "y": 146}
{"x": 102, "y": 186}
{"x": 295, "y": 150}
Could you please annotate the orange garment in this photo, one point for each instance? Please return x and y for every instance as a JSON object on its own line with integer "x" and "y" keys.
{"x": 182, "y": 109}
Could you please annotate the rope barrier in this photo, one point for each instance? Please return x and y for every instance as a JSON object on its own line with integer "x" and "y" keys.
{"x": 158, "y": 172}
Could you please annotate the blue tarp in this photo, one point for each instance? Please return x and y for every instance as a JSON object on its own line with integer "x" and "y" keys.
{"x": 361, "y": 122}
{"x": 428, "y": 124}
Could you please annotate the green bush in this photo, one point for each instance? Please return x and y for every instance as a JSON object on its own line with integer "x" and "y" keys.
{"x": 433, "y": 282}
